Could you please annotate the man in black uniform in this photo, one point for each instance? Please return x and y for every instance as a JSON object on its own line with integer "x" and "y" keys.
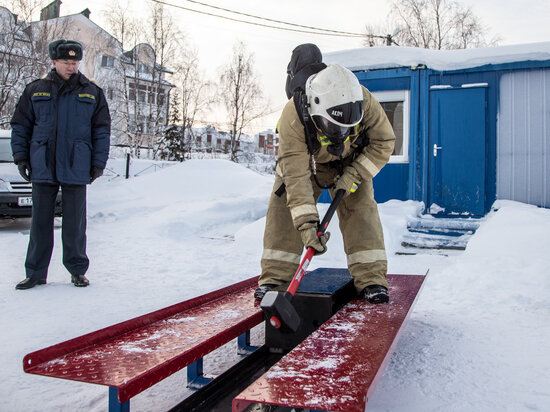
{"x": 60, "y": 137}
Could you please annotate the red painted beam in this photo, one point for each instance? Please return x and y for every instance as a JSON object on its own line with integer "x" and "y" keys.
{"x": 338, "y": 366}
{"x": 134, "y": 355}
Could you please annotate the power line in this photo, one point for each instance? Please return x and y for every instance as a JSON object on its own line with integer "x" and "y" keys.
{"x": 274, "y": 21}
{"x": 323, "y": 32}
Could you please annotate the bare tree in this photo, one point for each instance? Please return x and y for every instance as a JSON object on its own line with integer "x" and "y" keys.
{"x": 14, "y": 65}
{"x": 376, "y": 35}
{"x": 151, "y": 46}
{"x": 432, "y": 24}
{"x": 166, "y": 40}
{"x": 23, "y": 51}
{"x": 126, "y": 30}
{"x": 241, "y": 94}
{"x": 196, "y": 93}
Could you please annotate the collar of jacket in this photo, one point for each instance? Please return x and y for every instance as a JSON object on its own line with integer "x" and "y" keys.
{"x": 73, "y": 80}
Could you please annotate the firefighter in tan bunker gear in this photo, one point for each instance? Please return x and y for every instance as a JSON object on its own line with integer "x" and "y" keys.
{"x": 354, "y": 140}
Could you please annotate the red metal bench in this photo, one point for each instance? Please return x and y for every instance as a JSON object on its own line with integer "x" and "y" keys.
{"x": 338, "y": 366}
{"x": 132, "y": 356}
{"x": 335, "y": 369}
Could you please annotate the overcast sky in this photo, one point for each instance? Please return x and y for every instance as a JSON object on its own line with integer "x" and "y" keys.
{"x": 513, "y": 21}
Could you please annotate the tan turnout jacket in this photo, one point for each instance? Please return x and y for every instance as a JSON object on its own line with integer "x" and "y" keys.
{"x": 294, "y": 164}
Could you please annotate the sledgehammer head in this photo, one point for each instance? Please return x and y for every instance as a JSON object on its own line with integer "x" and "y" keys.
{"x": 279, "y": 311}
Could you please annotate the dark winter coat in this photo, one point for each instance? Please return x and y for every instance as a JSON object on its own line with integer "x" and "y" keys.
{"x": 63, "y": 128}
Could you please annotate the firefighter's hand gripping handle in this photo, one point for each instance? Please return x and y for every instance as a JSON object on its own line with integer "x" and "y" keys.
{"x": 278, "y": 305}
{"x": 293, "y": 287}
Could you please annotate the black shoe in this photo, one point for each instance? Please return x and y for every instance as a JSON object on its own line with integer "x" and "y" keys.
{"x": 262, "y": 290}
{"x": 375, "y": 294}
{"x": 29, "y": 283}
{"x": 80, "y": 281}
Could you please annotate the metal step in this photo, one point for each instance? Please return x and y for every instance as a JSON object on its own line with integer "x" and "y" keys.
{"x": 452, "y": 224}
{"x": 441, "y": 232}
{"x": 428, "y": 233}
{"x": 424, "y": 241}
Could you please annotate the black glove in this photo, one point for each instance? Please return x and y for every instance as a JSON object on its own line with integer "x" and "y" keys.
{"x": 95, "y": 173}
{"x": 24, "y": 169}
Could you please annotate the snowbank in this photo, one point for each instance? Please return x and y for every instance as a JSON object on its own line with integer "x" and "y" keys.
{"x": 477, "y": 339}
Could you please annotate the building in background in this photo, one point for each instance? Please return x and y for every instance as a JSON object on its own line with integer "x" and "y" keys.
{"x": 210, "y": 140}
{"x": 135, "y": 85}
{"x": 472, "y": 125}
{"x": 267, "y": 142}
{"x": 18, "y": 63}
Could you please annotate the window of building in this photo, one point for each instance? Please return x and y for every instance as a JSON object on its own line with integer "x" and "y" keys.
{"x": 160, "y": 97}
{"x": 131, "y": 124}
{"x": 107, "y": 61}
{"x": 142, "y": 92}
{"x": 141, "y": 125}
{"x": 396, "y": 104}
{"x": 261, "y": 141}
{"x": 143, "y": 68}
{"x": 151, "y": 94}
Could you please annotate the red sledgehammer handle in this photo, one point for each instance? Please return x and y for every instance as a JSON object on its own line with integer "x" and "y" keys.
{"x": 310, "y": 252}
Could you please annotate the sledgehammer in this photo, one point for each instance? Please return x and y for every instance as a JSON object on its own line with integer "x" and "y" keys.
{"x": 277, "y": 306}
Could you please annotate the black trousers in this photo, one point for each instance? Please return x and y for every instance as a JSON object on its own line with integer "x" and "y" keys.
{"x": 73, "y": 229}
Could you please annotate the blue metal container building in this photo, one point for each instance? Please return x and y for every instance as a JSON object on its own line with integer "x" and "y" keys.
{"x": 473, "y": 125}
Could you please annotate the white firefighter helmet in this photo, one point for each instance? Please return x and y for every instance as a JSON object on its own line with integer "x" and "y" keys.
{"x": 335, "y": 100}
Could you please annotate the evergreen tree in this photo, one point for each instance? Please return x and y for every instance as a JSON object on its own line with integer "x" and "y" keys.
{"x": 174, "y": 136}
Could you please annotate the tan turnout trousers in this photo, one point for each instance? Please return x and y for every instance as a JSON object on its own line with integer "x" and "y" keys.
{"x": 361, "y": 230}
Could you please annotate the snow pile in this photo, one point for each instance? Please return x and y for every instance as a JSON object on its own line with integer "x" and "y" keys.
{"x": 477, "y": 339}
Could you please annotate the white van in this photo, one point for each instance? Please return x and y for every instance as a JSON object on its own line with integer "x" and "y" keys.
{"x": 15, "y": 192}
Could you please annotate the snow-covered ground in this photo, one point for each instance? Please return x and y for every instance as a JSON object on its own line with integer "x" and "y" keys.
{"x": 478, "y": 338}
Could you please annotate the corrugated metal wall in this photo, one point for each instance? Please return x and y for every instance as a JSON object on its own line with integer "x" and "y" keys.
{"x": 523, "y": 137}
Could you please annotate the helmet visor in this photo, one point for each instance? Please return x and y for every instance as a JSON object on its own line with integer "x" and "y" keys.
{"x": 347, "y": 114}
{"x": 331, "y": 130}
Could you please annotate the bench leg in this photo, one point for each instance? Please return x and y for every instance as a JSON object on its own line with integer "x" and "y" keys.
{"x": 114, "y": 404}
{"x": 243, "y": 344}
{"x": 195, "y": 376}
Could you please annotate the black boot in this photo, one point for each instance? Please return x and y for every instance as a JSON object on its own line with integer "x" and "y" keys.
{"x": 262, "y": 290}
{"x": 29, "y": 283}
{"x": 80, "y": 281}
{"x": 375, "y": 294}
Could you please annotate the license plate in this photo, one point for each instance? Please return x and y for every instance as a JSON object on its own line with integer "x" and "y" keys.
{"x": 24, "y": 201}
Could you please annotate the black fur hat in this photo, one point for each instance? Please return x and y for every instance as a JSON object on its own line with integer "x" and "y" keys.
{"x": 65, "y": 49}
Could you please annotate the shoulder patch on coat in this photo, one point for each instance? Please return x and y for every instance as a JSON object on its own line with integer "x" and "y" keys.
{"x": 89, "y": 96}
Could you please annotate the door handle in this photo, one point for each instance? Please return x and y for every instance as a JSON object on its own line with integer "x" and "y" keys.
{"x": 436, "y": 148}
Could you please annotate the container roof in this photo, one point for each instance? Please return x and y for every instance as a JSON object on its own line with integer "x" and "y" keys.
{"x": 369, "y": 58}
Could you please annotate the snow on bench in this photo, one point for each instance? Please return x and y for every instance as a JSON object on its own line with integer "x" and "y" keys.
{"x": 132, "y": 356}
{"x": 338, "y": 366}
